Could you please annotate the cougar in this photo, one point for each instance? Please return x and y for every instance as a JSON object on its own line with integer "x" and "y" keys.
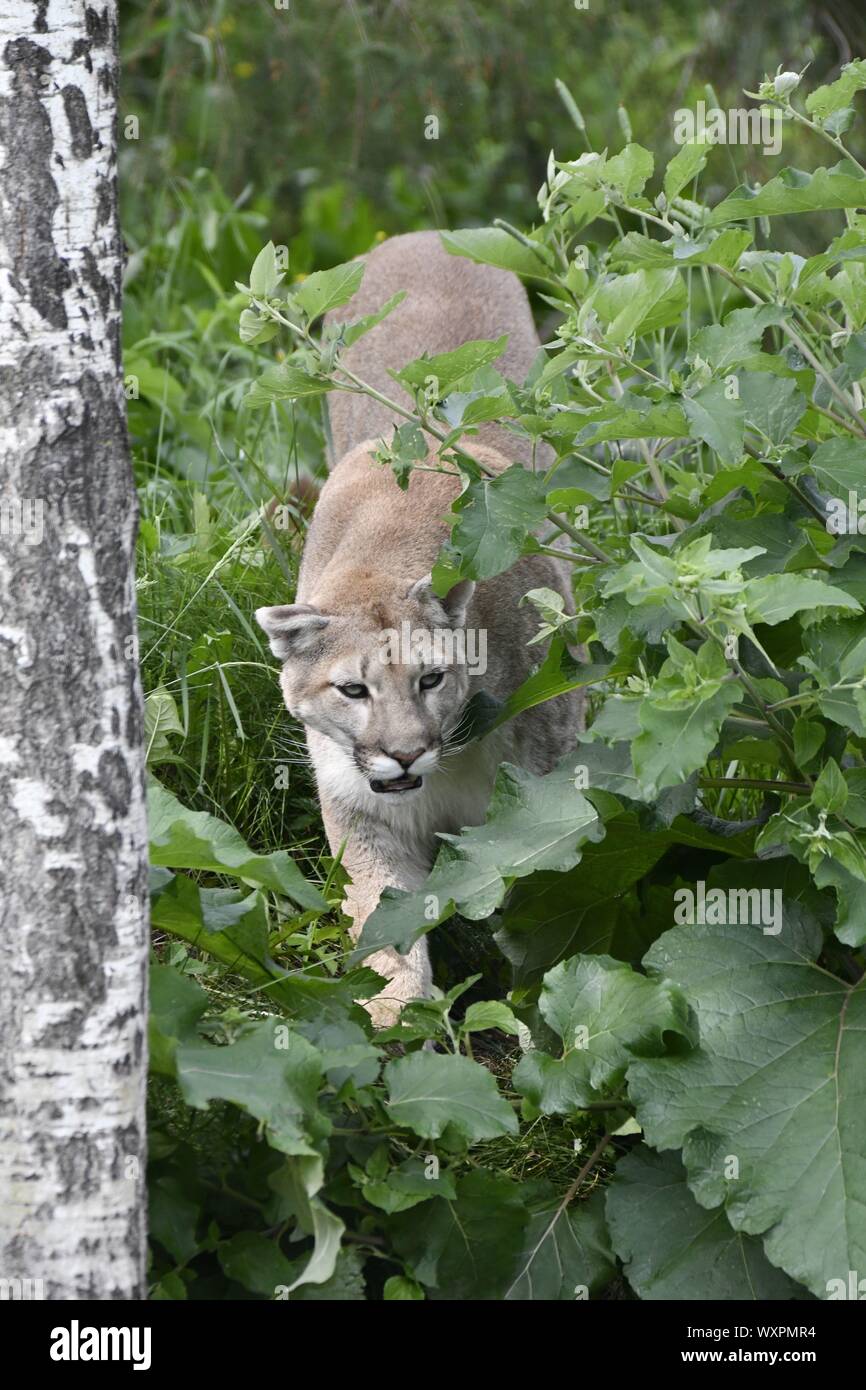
{"x": 374, "y": 664}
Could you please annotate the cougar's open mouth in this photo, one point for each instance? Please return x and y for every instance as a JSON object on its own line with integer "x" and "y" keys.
{"x": 397, "y": 784}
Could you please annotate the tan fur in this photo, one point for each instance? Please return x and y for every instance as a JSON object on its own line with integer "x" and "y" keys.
{"x": 369, "y": 543}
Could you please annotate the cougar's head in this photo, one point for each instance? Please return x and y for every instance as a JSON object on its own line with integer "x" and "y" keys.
{"x": 386, "y": 681}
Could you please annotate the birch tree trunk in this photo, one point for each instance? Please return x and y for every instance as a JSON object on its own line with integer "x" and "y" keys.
{"x": 72, "y": 823}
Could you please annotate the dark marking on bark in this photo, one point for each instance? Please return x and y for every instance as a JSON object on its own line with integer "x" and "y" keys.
{"x": 106, "y": 200}
{"x": 101, "y": 287}
{"x": 30, "y": 193}
{"x": 114, "y": 781}
{"x": 99, "y": 29}
{"x": 40, "y": 23}
{"x": 78, "y": 117}
{"x": 81, "y": 52}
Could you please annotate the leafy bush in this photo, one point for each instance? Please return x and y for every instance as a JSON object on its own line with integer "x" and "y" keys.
{"x": 680, "y": 903}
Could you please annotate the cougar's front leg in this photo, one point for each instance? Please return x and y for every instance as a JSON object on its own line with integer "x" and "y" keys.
{"x": 375, "y": 860}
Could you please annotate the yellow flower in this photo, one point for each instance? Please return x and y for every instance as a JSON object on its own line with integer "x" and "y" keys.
{"x": 244, "y": 69}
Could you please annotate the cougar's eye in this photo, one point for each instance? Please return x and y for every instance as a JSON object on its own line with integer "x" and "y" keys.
{"x": 353, "y": 691}
{"x": 431, "y": 680}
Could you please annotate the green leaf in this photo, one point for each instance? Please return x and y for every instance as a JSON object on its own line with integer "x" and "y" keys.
{"x": 494, "y": 517}
{"x": 256, "y": 1262}
{"x": 468, "y": 1248}
{"x": 402, "y": 1188}
{"x": 327, "y": 289}
{"x": 773, "y": 407}
{"x": 838, "y": 466}
{"x": 184, "y": 839}
{"x": 271, "y": 1072}
{"x": 174, "y": 1212}
{"x": 791, "y": 191}
{"x": 400, "y": 1289}
{"x": 566, "y": 1253}
{"x": 777, "y": 1084}
{"x": 639, "y": 303}
{"x": 689, "y": 161}
{"x": 491, "y": 1013}
{"x": 605, "y": 1014}
{"x": 448, "y": 369}
{"x": 493, "y": 246}
{"x": 725, "y": 346}
{"x": 285, "y": 382}
{"x": 825, "y": 100}
{"x": 264, "y": 276}
{"x": 679, "y": 732}
{"x": 672, "y": 1248}
{"x": 629, "y": 171}
{"x": 353, "y": 331}
{"x": 176, "y": 1005}
{"x": 718, "y": 419}
{"x": 345, "y": 1285}
{"x": 429, "y": 1092}
{"x": 830, "y": 792}
{"x": 776, "y": 597}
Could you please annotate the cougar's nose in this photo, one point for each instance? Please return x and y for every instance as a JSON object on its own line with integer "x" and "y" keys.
{"x": 406, "y": 759}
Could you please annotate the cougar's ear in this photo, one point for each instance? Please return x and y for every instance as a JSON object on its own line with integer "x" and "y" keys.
{"x": 455, "y": 602}
{"x": 291, "y": 628}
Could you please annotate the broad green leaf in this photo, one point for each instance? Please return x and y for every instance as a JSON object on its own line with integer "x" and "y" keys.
{"x": 689, "y": 161}
{"x": 184, "y": 839}
{"x": 776, "y": 597}
{"x": 639, "y": 303}
{"x": 773, "y": 407}
{"x": 160, "y": 719}
{"x": 825, "y": 100}
{"x": 399, "y": 1289}
{"x": 285, "y": 382}
{"x": 256, "y": 1262}
{"x": 327, "y": 289}
{"x": 494, "y": 517}
{"x": 174, "y": 1213}
{"x": 490, "y": 1013}
{"x": 345, "y": 1285}
{"x": 401, "y": 1188}
{"x": 628, "y": 171}
{"x": 792, "y": 191}
{"x": 468, "y": 1248}
{"x": 631, "y": 417}
{"x": 778, "y": 1084}
{"x": 532, "y": 823}
{"x": 709, "y": 248}
{"x": 271, "y": 1072}
{"x": 264, "y": 276}
{"x": 176, "y": 1005}
{"x": 429, "y": 1093}
{"x": 719, "y": 419}
{"x": 493, "y": 246}
{"x": 725, "y": 346}
{"x": 448, "y": 369}
{"x": 672, "y": 1248}
{"x": 558, "y": 674}
{"x": 353, "y": 331}
{"x": 566, "y": 1253}
{"x": 605, "y": 1014}
{"x": 839, "y": 465}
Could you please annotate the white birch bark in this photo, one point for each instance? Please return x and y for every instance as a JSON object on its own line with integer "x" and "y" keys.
{"x": 73, "y": 936}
